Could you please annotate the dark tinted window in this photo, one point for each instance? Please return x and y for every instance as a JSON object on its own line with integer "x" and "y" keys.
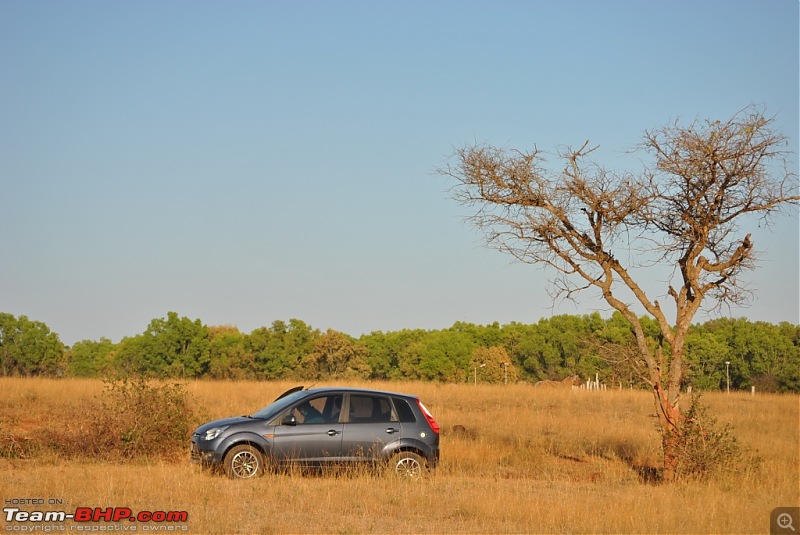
{"x": 404, "y": 411}
{"x": 319, "y": 410}
{"x": 370, "y": 409}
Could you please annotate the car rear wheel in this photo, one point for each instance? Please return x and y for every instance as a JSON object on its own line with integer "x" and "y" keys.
{"x": 243, "y": 462}
{"x": 407, "y": 464}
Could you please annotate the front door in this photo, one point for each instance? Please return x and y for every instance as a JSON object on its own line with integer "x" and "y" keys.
{"x": 310, "y": 431}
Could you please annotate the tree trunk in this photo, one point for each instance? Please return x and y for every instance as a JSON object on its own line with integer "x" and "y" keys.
{"x": 669, "y": 443}
{"x": 669, "y": 419}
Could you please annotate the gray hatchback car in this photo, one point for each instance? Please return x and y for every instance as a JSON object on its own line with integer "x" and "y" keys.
{"x": 322, "y": 426}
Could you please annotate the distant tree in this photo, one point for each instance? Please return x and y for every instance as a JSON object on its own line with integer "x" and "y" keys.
{"x": 89, "y": 358}
{"x": 515, "y": 341}
{"x": 566, "y": 336}
{"x": 336, "y": 356}
{"x": 29, "y": 348}
{"x": 706, "y": 354}
{"x": 788, "y": 366}
{"x": 600, "y": 230}
{"x": 227, "y": 356}
{"x": 170, "y": 347}
{"x": 483, "y": 335}
{"x": 280, "y": 349}
{"x": 553, "y": 348}
{"x": 760, "y": 354}
{"x": 493, "y": 365}
{"x": 387, "y": 351}
{"x": 446, "y": 354}
{"x": 544, "y": 357}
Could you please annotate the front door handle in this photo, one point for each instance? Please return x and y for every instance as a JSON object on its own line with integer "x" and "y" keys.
{"x": 333, "y": 433}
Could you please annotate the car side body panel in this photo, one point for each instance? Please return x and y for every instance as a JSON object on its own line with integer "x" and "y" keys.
{"x": 312, "y": 443}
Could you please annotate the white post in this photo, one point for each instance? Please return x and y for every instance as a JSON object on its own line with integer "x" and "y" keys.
{"x": 728, "y": 376}
{"x": 752, "y": 390}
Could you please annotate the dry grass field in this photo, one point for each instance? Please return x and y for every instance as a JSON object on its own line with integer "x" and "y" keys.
{"x": 532, "y": 461}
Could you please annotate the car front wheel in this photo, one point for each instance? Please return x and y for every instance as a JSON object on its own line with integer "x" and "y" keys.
{"x": 408, "y": 464}
{"x": 243, "y": 462}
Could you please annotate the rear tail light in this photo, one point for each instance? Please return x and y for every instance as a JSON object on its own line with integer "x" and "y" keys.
{"x": 429, "y": 417}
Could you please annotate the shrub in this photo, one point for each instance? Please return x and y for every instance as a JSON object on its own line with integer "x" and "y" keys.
{"x": 133, "y": 418}
{"x": 148, "y": 418}
{"x": 705, "y": 449}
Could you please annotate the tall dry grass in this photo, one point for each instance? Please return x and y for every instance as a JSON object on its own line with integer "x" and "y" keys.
{"x": 529, "y": 461}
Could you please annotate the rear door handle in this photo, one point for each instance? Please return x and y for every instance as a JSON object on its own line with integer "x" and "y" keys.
{"x": 391, "y": 430}
{"x": 333, "y": 433}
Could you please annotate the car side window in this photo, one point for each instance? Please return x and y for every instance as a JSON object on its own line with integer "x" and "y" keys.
{"x": 333, "y": 408}
{"x": 324, "y": 409}
{"x": 370, "y": 409}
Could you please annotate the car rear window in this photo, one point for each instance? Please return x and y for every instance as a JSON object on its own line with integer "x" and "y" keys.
{"x": 404, "y": 411}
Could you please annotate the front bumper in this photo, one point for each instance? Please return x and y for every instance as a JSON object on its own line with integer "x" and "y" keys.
{"x": 200, "y": 456}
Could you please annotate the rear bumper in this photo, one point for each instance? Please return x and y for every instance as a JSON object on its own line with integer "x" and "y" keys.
{"x": 433, "y": 458}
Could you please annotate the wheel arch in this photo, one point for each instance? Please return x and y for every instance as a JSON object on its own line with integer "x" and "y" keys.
{"x": 405, "y": 446}
{"x": 247, "y": 439}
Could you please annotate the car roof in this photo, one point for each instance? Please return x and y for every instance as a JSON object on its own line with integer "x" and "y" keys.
{"x": 357, "y": 390}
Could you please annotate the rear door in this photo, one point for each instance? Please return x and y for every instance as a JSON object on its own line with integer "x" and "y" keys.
{"x": 315, "y": 437}
{"x": 371, "y": 423}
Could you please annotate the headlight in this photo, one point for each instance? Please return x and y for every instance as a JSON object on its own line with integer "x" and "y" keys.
{"x": 214, "y": 432}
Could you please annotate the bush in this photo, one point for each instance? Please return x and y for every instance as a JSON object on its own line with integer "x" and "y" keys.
{"x": 149, "y": 419}
{"x": 705, "y": 449}
{"x": 133, "y": 418}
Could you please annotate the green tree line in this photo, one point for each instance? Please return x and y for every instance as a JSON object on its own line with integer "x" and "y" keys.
{"x": 750, "y": 353}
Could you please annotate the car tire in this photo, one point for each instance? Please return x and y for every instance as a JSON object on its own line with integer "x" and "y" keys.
{"x": 408, "y": 465}
{"x": 243, "y": 462}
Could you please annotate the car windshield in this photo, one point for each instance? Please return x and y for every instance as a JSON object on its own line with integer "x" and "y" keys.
{"x": 278, "y": 405}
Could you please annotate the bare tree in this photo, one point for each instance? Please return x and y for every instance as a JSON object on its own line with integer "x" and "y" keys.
{"x": 602, "y": 230}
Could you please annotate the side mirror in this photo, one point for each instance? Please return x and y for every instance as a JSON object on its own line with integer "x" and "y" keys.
{"x": 289, "y": 419}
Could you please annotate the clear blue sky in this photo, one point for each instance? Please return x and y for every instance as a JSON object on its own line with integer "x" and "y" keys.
{"x": 243, "y": 162}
